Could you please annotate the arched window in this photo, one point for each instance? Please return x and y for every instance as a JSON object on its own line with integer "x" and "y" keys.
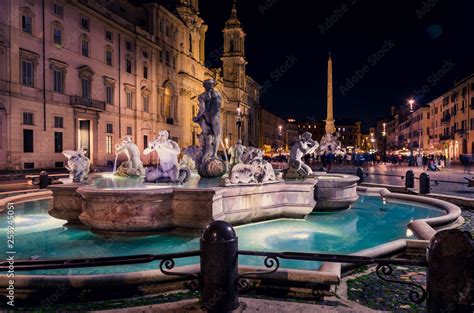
{"x": 109, "y": 56}
{"x": 231, "y": 45}
{"x": 85, "y": 45}
{"x": 167, "y": 100}
{"x": 169, "y": 108}
{"x": 57, "y": 28}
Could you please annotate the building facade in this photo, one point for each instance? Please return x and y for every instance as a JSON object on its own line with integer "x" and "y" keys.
{"x": 86, "y": 73}
{"x": 443, "y": 126}
{"x": 273, "y": 132}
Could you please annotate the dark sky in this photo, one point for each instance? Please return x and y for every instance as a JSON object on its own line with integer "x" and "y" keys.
{"x": 395, "y": 46}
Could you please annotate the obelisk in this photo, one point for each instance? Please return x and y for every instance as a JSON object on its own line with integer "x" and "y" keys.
{"x": 330, "y": 127}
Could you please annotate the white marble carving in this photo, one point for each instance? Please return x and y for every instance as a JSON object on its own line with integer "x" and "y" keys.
{"x": 253, "y": 169}
{"x": 78, "y": 164}
{"x": 297, "y": 169}
{"x": 168, "y": 170}
{"x": 133, "y": 166}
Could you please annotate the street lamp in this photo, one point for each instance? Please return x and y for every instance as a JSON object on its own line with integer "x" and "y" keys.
{"x": 411, "y": 102}
{"x": 239, "y": 123}
{"x": 384, "y": 135}
{"x": 280, "y": 135}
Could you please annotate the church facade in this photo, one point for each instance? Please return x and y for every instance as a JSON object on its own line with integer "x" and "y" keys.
{"x": 77, "y": 73}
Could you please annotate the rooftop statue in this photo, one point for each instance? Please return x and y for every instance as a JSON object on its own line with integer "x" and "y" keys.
{"x": 168, "y": 170}
{"x": 78, "y": 164}
{"x": 297, "y": 169}
{"x": 208, "y": 117}
{"x": 133, "y": 166}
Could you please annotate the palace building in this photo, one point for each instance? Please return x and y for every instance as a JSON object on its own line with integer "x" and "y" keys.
{"x": 82, "y": 73}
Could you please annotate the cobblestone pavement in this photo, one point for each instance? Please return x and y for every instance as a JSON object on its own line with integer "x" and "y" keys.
{"x": 391, "y": 175}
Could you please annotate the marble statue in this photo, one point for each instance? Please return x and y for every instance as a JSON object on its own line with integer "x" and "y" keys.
{"x": 297, "y": 169}
{"x": 168, "y": 170}
{"x": 252, "y": 169}
{"x": 78, "y": 164}
{"x": 330, "y": 143}
{"x": 208, "y": 117}
{"x": 236, "y": 152}
{"x": 133, "y": 166}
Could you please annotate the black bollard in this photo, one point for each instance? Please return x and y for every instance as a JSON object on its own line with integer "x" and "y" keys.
{"x": 219, "y": 268}
{"x": 424, "y": 183}
{"x": 360, "y": 174}
{"x": 450, "y": 272}
{"x": 409, "y": 179}
{"x": 43, "y": 179}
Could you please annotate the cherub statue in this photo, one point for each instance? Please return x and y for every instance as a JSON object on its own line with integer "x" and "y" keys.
{"x": 168, "y": 169}
{"x": 78, "y": 164}
{"x": 297, "y": 169}
{"x": 133, "y": 166}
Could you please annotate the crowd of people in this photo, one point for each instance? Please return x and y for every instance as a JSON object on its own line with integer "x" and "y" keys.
{"x": 430, "y": 162}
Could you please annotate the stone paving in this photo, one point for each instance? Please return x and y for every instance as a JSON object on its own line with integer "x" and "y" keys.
{"x": 391, "y": 175}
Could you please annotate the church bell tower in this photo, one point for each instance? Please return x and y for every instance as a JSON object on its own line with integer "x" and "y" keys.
{"x": 233, "y": 59}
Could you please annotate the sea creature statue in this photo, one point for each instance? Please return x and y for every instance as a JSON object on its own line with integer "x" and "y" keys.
{"x": 133, "y": 167}
{"x": 252, "y": 170}
{"x": 236, "y": 152}
{"x": 297, "y": 169}
{"x": 209, "y": 119}
{"x": 330, "y": 143}
{"x": 168, "y": 170}
{"x": 78, "y": 164}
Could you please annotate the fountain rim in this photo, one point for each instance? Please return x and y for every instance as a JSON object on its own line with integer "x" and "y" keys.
{"x": 328, "y": 273}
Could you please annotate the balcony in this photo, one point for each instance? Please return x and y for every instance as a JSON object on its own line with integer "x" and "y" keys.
{"x": 446, "y": 137}
{"x": 81, "y": 102}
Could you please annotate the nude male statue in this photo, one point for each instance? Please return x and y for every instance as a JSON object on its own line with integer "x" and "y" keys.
{"x": 208, "y": 118}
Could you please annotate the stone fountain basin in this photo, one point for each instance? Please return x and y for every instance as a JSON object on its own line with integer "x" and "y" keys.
{"x": 335, "y": 191}
{"x": 161, "y": 207}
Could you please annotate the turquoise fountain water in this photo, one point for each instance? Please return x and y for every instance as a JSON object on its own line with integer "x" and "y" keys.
{"x": 370, "y": 222}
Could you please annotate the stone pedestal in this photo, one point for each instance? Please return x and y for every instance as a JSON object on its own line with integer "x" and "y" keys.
{"x": 194, "y": 208}
{"x": 335, "y": 191}
{"x": 125, "y": 210}
{"x": 67, "y": 203}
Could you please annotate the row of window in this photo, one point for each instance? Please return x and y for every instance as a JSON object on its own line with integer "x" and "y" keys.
{"x": 28, "y": 141}
{"x": 29, "y": 119}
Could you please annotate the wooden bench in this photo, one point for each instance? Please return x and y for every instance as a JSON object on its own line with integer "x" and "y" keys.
{"x": 53, "y": 178}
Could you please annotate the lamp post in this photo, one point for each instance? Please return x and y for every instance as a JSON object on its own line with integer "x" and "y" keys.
{"x": 411, "y": 102}
{"x": 280, "y": 135}
{"x": 384, "y": 138}
{"x": 239, "y": 123}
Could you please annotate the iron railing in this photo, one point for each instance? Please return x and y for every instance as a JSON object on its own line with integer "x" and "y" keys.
{"x": 88, "y": 103}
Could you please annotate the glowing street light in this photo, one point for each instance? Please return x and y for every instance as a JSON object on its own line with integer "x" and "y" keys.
{"x": 411, "y": 102}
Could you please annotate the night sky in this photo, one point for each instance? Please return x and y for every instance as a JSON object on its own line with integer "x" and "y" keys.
{"x": 384, "y": 51}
